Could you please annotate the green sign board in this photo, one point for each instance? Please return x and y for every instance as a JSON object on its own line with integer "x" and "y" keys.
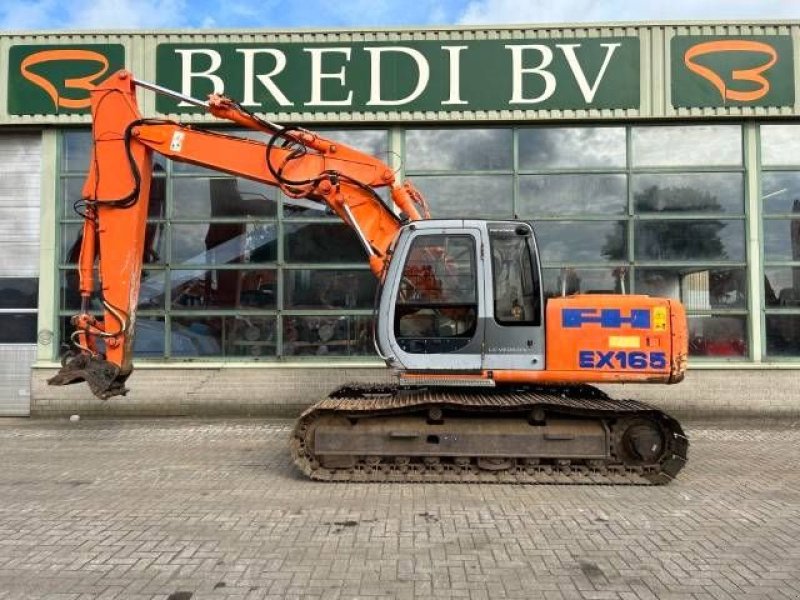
{"x": 47, "y": 80}
{"x": 711, "y": 71}
{"x": 479, "y": 75}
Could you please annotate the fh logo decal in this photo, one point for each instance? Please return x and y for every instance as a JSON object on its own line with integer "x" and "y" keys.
{"x": 607, "y": 318}
{"x": 753, "y": 75}
{"x": 86, "y": 82}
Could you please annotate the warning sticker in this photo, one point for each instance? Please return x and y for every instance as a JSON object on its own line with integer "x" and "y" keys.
{"x": 660, "y": 318}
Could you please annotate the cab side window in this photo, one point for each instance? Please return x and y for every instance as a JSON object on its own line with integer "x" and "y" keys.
{"x": 437, "y": 301}
{"x": 515, "y": 277}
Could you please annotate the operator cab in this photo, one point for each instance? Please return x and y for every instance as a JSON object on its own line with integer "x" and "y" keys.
{"x": 463, "y": 295}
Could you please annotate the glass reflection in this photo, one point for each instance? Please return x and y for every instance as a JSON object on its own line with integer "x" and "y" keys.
{"x": 374, "y": 142}
{"x": 468, "y": 196}
{"x": 209, "y": 198}
{"x": 72, "y": 191}
{"x": 196, "y": 336}
{"x": 250, "y": 336}
{"x": 698, "y": 288}
{"x": 710, "y": 239}
{"x": 780, "y": 192}
{"x": 303, "y": 208}
{"x": 458, "y": 149}
{"x": 581, "y": 241}
{"x": 19, "y": 292}
{"x": 223, "y": 289}
{"x": 321, "y": 243}
{"x": 17, "y": 328}
{"x": 76, "y": 148}
{"x": 224, "y": 243}
{"x": 320, "y": 289}
{"x": 151, "y": 291}
{"x": 147, "y": 343}
{"x": 720, "y": 336}
{"x": 72, "y": 236}
{"x": 689, "y": 192}
{"x": 782, "y": 239}
{"x": 327, "y": 336}
{"x": 689, "y": 145}
{"x": 780, "y": 144}
{"x": 572, "y": 148}
{"x": 568, "y": 195}
{"x": 783, "y": 335}
{"x": 568, "y": 280}
{"x": 782, "y": 287}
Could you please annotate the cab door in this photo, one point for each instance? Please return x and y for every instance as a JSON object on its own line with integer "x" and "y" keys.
{"x": 432, "y": 313}
{"x": 514, "y": 331}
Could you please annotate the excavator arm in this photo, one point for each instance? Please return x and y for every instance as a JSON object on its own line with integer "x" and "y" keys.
{"x": 116, "y": 193}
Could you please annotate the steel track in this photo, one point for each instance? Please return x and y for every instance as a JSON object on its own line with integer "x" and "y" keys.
{"x": 358, "y": 401}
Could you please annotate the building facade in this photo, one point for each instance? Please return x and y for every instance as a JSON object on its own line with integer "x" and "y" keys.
{"x": 661, "y": 159}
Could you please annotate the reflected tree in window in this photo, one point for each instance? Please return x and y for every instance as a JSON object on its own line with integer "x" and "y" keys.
{"x": 674, "y": 239}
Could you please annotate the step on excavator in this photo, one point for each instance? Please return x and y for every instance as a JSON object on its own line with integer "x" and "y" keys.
{"x": 493, "y": 379}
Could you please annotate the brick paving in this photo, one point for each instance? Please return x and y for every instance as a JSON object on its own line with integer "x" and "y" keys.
{"x": 188, "y": 509}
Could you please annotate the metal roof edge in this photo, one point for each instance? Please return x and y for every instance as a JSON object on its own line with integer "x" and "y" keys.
{"x": 403, "y": 29}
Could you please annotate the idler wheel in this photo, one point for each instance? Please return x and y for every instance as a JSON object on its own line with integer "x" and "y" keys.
{"x": 642, "y": 441}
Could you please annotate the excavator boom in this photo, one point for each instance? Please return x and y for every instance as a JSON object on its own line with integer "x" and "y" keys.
{"x": 116, "y": 193}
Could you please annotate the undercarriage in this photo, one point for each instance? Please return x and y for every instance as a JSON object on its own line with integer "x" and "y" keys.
{"x": 532, "y": 434}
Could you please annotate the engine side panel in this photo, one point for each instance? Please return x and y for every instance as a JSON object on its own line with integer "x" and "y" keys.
{"x": 616, "y": 338}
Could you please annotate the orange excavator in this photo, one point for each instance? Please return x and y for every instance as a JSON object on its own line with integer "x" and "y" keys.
{"x": 493, "y": 378}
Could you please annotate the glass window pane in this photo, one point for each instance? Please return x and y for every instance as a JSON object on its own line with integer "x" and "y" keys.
{"x": 690, "y": 145}
{"x": 322, "y": 243}
{"x": 255, "y": 337}
{"x": 515, "y": 280}
{"x": 468, "y": 196}
{"x": 303, "y": 208}
{"x": 572, "y": 148}
{"x": 72, "y": 190}
{"x": 567, "y": 281}
{"x": 440, "y": 270}
{"x": 17, "y": 329}
{"x": 149, "y": 339}
{"x": 782, "y": 286}
{"x": 327, "y": 336}
{"x": 154, "y": 243}
{"x": 713, "y": 335}
{"x": 698, "y": 288}
{"x": 19, "y": 292}
{"x": 780, "y": 144}
{"x": 709, "y": 239}
{"x": 581, "y": 241}
{"x": 337, "y": 289}
{"x": 76, "y": 147}
{"x": 567, "y": 195}
{"x": 783, "y": 335}
{"x": 209, "y": 198}
{"x": 196, "y": 336}
{"x": 223, "y": 289}
{"x": 782, "y": 239}
{"x": 374, "y": 142}
{"x": 780, "y": 192}
{"x": 458, "y": 149}
{"x": 224, "y": 243}
{"x": 151, "y": 291}
{"x": 689, "y": 192}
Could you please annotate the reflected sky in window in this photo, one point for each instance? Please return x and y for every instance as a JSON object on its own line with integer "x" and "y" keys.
{"x": 679, "y": 145}
{"x": 572, "y": 147}
{"x": 458, "y": 149}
